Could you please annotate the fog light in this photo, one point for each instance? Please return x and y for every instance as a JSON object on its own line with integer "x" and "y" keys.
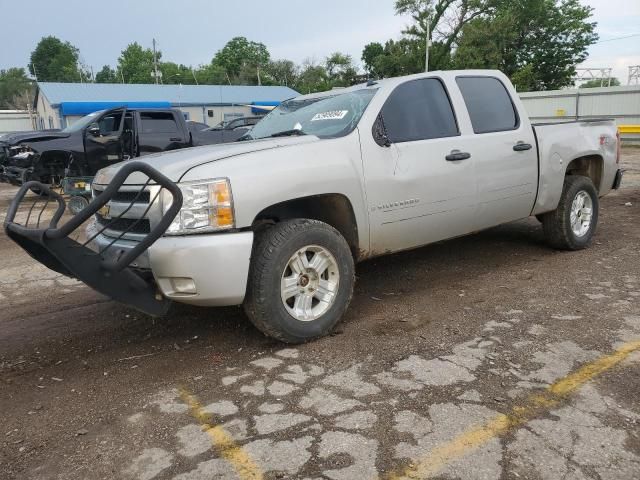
{"x": 183, "y": 286}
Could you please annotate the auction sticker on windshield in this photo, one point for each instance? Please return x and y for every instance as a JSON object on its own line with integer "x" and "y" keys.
{"x": 334, "y": 115}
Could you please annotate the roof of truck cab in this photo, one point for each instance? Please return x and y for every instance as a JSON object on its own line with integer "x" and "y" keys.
{"x": 392, "y": 81}
{"x": 176, "y": 95}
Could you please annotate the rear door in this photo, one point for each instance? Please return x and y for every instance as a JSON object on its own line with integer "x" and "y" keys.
{"x": 421, "y": 186}
{"x": 505, "y": 155}
{"x": 159, "y": 131}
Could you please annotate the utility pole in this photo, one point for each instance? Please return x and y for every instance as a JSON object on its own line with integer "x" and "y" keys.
{"x": 155, "y": 62}
{"x": 426, "y": 63}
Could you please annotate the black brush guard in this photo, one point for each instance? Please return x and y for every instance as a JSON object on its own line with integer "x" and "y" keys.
{"x": 112, "y": 277}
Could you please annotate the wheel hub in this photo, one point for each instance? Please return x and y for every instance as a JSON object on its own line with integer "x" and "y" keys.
{"x": 309, "y": 283}
{"x": 581, "y": 213}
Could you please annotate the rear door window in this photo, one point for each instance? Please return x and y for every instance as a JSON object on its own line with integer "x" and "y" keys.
{"x": 488, "y": 103}
{"x": 158, "y": 122}
{"x": 419, "y": 110}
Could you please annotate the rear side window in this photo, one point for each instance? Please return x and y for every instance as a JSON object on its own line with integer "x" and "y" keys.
{"x": 158, "y": 122}
{"x": 419, "y": 110}
{"x": 488, "y": 103}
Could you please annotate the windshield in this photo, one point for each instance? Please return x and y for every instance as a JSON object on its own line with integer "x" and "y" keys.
{"x": 83, "y": 122}
{"x": 325, "y": 117}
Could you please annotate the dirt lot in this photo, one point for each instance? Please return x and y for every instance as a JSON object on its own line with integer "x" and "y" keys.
{"x": 487, "y": 357}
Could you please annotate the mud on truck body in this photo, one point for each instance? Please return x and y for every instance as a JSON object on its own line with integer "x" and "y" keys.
{"x": 277, "y": 221}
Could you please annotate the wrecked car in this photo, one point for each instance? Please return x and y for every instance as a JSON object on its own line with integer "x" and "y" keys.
{"x": 96, "y": 141}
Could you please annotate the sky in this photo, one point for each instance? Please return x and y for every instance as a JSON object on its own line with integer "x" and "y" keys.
{"x": 191, "y": 31}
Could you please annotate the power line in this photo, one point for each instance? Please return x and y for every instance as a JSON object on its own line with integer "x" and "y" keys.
{"x": 619, "y": 38}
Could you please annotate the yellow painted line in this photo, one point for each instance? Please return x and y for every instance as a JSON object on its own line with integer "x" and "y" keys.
{"x": 535, "y": 405}
{"x": 244, "y": 466}
{"x": 629, "y": 128}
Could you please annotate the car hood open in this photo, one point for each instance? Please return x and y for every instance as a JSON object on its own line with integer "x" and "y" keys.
{"x": 175, "y": 165}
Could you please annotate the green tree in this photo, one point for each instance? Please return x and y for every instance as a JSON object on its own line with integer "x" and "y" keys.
{"x": 57, "y": 61}
{"x": 402, "y": 57}
{"x": 340, "y": 69}
{"x": 211, "y": 75}
{"x": 444, "y": 19}
{"x": 240, "y": 56}
{"x": 172, "y": 73}
{"x": 281, "y": 72}
{"x": 107, "y": 75}
{"x": 14, "y": 84}
{"x": 597, "y": 83}
{"x": 370, "y": 56}
{"x": 312, "y": 78}
{"x": 537, "y": 43}
{"x": 135, "y": 64}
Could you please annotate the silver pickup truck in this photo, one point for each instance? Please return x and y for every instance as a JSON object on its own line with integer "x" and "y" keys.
{"x": 276, "y": 221}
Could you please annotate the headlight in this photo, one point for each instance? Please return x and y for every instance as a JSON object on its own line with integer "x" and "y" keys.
{"x": 207, "y": 206}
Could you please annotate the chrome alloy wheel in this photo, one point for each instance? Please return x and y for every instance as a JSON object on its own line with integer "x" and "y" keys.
{"x": 309, "y": 283}
{"x": 581, "y": 213}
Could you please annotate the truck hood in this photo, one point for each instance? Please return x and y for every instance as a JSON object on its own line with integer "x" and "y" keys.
{"x": 17, "y": 138}
{"x": 176, "y": 164}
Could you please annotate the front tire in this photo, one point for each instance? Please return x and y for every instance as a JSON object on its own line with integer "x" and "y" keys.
{"x": 572, "y": 225}
{"x": 300, "y": 282}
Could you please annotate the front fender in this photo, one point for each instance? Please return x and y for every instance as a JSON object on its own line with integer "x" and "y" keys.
{"x": 266, "y": 178}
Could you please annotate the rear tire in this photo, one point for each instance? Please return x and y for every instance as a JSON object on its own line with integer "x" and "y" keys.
{"x": 300, "y": 281}
{"x": 572, "y": 225}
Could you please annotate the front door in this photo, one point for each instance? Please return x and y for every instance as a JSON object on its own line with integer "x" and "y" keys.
{"x": 103, "y": 140}
{"x": 421, "y": 182}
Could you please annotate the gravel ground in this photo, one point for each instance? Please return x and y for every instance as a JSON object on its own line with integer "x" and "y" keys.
{"x": 465, "y": 359}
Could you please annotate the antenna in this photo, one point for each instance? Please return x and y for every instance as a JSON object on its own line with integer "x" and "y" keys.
{"x": 634, "y": 75}
{"x": 155, "y": 73}
{"x": 426, "y": 60}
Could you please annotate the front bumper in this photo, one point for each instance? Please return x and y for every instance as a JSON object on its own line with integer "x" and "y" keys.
{"x": 14, "y": 175}
{"x": 216, "y": 265}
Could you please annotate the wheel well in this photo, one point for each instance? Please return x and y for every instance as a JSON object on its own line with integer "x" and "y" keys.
{"x": 334, "y": 209}
{"x": 589, "y": 166}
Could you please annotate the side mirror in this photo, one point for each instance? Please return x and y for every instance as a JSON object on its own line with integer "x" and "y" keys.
{"x": 380, "y": 133}
{"x": 93, "y": 130}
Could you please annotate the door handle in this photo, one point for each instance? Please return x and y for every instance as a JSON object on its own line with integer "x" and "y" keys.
{"x": 175, "y": 139}
{"x": 457, "y": 155}
{"x": 522, "y": 147}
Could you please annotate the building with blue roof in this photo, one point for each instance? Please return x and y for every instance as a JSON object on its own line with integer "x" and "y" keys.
{"x": 60, "y": 104}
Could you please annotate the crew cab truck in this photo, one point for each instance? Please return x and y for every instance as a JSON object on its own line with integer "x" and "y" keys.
{"x": 95, "y": 141}
{"x": 277, "y": 221}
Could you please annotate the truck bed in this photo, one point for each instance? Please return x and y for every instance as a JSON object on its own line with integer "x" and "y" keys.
{"x": 561, "y": 144}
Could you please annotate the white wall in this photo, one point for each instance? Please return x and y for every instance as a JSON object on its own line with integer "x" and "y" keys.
{"x": 621, "y": 103}
{"x": 218, "y": 113}
{"x": 15, "y": 121}
{"x": 47, "y": 116}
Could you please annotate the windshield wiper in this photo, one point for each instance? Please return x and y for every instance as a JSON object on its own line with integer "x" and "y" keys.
{"x": 288, "y": 133}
